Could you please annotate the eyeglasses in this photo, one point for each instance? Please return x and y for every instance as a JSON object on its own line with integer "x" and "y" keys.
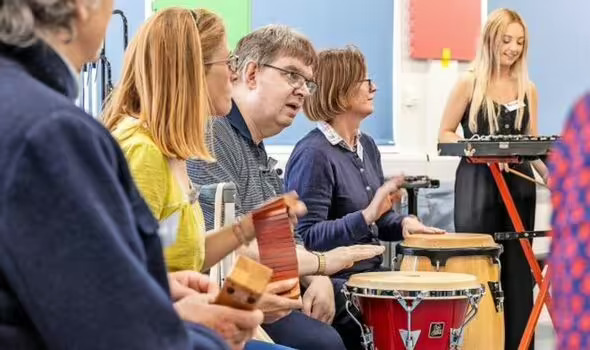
{"x": 231, "y": 61}
{"x": 371, "y": 84}
{"x": 295, "y": 79}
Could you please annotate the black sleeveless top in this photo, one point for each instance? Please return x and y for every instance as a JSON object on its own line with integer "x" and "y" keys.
{"x": 478, "y": 204}
{"x": 506, "y": 121}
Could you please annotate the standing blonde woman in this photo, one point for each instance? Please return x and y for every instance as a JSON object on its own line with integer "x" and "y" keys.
{"x": 497, "y": 98}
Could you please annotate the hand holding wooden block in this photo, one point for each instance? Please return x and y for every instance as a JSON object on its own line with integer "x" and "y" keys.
{"x": 245, "y": 284}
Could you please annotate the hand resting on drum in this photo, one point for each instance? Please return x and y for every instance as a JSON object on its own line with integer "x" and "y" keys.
{"x": 336, "y": 259}
{"x": 382, "y": 202}
{"x": 344, "y": 257}
{"x": 412, "y": 225}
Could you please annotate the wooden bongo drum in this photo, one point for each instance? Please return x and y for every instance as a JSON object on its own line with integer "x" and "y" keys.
{"x": 474, "y": 254}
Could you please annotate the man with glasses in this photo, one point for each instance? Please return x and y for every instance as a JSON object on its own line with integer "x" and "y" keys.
{"x": 272, "y": 78}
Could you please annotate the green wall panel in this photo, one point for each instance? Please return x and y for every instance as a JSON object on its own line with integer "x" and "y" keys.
{"x": 235, "y": 13}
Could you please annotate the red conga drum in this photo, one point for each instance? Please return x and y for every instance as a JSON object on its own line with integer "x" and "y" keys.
{"x": 414, "y": 310}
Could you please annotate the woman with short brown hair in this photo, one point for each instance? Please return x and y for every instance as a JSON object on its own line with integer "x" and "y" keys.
{"x": 341, "y": 72}
{"x": 336, "y": 170}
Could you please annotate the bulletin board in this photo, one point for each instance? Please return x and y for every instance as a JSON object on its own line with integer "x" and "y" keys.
{"x": 451, "y": 25}
{"x": 235, "y": 13}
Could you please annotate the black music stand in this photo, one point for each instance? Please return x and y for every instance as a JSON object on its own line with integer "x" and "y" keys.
{"x": 412, "y": 185}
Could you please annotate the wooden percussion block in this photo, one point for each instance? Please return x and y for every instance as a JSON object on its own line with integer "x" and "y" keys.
{"x": 245, "y": 284}
{"x": 276, "y": 244}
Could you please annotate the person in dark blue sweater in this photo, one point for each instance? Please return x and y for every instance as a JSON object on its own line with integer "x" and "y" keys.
{"x": 336, "y": 170}
{"x": 81, "y": 263}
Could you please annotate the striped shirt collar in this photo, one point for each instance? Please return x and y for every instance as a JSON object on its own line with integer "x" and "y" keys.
{"x": 335, "y": 139}
{"x": 236, "y": 119}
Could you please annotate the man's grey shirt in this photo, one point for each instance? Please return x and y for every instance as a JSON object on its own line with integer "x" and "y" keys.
{"x": 238, "y": 160}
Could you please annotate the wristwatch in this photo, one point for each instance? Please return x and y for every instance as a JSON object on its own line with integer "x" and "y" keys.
{"x": 321, "y": 263}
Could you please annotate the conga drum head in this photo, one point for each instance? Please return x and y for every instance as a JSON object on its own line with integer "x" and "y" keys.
{"x": 440, "y": 248}
{"x": 452, "y": 240}
{"x": 409, "y": 284}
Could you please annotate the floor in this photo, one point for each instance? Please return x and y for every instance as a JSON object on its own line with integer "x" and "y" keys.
{"x": 545, "y": 335}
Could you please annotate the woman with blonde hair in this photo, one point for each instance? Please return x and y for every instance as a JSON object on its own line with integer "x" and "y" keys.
{"x": 159, "y": 114}
{"x": 496, "y": 97}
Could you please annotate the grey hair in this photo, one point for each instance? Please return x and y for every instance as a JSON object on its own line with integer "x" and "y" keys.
{"x": 268, "y": 43}
{"x": 22, "y": 20}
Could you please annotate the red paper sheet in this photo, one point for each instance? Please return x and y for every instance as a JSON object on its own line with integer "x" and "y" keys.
{"x": 439, "y": 24}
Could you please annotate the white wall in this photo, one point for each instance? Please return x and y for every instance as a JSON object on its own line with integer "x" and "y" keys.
{"x": 148, "y": 8}
{"x": 422, "y": 88}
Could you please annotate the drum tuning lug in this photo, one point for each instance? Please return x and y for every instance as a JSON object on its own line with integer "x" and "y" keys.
{"x": 345, "y": 292}
{"x": 456, "y": 338}
{"x": 410, "y": 338}
{"x": 394, "y": 263}
{"x": 497, "y": 295}
{"x": 366, "y": 332}
{"x": 367, "y": 339}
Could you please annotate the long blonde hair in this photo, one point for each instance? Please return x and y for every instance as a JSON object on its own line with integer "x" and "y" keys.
{"x": 487, "y": 64}
{"x": 163, "y": 85}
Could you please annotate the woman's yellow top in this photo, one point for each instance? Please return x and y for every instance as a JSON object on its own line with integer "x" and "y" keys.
{"x": 182, "y": 225}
